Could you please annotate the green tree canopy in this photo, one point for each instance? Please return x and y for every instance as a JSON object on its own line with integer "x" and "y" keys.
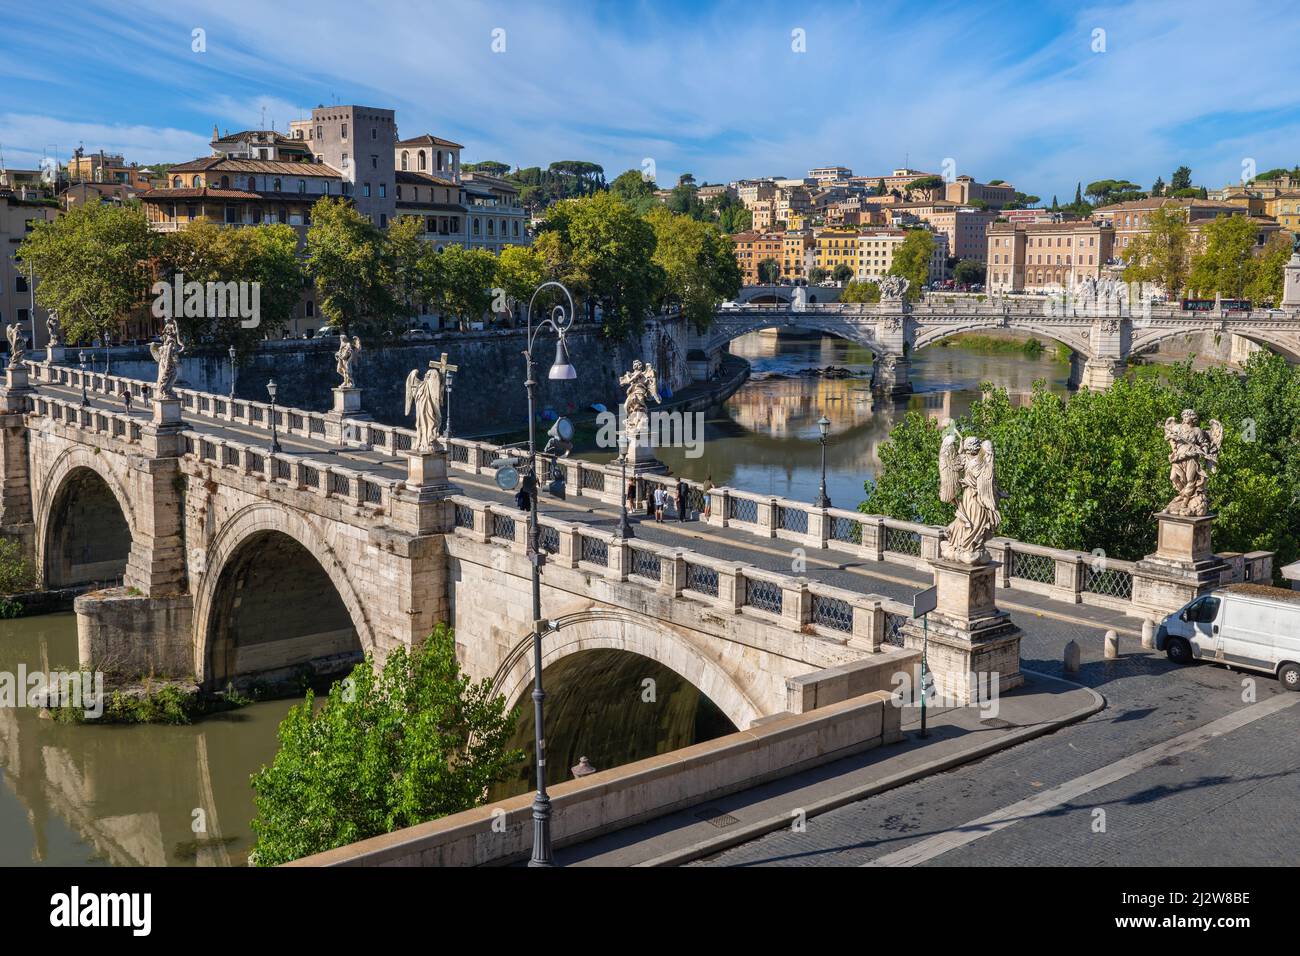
{"x": 1089, "y": 471}
{"x": 94, "y": 264}
{"x": 464, "y": 282}
{"x": 1224, "y": 262}
{"x": 968, "y": 271}
{"x": 348, "y": 258}
{"x": 1160, "y": 255}
{"x": 698, "y": 262}
{"x": 912, "y": 260}
{"x": 387, "y": 749}
{"x": 861, "y": 292}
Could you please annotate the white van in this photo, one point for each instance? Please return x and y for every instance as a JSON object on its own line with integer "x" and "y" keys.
{"x": 1250, "y": 626}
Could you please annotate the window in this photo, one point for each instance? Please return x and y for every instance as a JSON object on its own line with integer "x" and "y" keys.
{"x": 320, "y": 132}
{"x": 302, "y": 186}
{"x": 365, "y": 189}
{"x": 383, "y": 190}
{"x": 440, "y": 159}
{"x": 275, "y": 184}
{"x": 374, "y": 161}
{"x": 252, "y": 184}
{"x": 383, "y": 220}
{"x": 345, "y": 131}
{"x": 399, "y": 193}
{"x": 374, "y": 133}
{"x": 176, "y": 182}
{"x": 405, "y": 156}
{"x": 476, "y": 227}
{"x": 20, "y": 283}
{"x": 423, "y": 163}
{"x": 309, "y": 308}
{"x": 516, "y": 228}
{"x": 225, "y": 182}
{"x": 345, "y": 160}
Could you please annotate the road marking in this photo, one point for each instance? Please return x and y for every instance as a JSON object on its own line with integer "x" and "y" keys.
{"x": 941, "y": 843}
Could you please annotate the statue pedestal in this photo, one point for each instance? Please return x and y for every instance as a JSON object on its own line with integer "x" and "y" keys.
{"x": 15, "y": 392}
{"x": 972, "y": 647}
{"x": 347, "y": 404}
{"x": 641, "y": 458}
{"x": 1183, "y": 565}
{"x": 167, "y": 411}
{"x": 421, "y": 507}
{"x": 1291, "y": 283}
{"x": 54, "y": 355}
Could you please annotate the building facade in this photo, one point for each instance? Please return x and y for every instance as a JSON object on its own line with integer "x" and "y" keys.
{"x": 18, "y": 217}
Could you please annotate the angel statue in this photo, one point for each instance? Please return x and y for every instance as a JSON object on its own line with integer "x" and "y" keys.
{"x": 15, "y": 335}
{"x": 967, "y": 477}
{"x": 167, "y": 354}
{"x": 426, "y": 395}
{"x": 641, "y": 387}
{"x": 54, "y": 329}
{"x": 893, "y": 287}
{"x": 1193, "y": 456}
{"x": 348, "y": 349}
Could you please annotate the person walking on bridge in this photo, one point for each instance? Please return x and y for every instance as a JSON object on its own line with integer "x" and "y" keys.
{"x": 681, "y": 500}
{"x": 126, "y": 397}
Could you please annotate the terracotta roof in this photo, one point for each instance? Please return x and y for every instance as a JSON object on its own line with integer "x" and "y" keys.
{"x": 160, "y": 195}
{"x": 275, "y": 167}
{"x": 428, "y": 140}
{"x": 424, "y": 179}
{"x": 1159, "y": 201}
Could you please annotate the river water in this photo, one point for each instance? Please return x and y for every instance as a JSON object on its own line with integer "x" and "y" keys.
{"x": 155, "y": 795}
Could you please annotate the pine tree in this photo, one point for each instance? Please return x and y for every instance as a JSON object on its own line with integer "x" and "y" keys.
{"x": 1055, "y": 206}
{"x": 1078, "y": 195}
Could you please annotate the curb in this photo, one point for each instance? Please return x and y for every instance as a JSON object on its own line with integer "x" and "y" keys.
{"x": 751, "y": 831}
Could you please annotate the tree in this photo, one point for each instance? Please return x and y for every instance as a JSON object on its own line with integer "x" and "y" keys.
{"x": 861, "y": 292}
{"x": 465, "y": 279}
{"x": 912, "y": 259}
{"x": 1158, "y": 187}
{"x": 698, "y": 262}
{"x": 387, "y": 749}
{"x": 1160, "y": 254}
{"x": 602, "y": 249}
{"x": 1265, "y": 286}
{"x": 414, "y": 277}
{"x": 1088, "y": 471}
{"x": 815, "y": 275}
{"x": 842, "y": 272}
{"x": 769, "y": 271}
{"x": 520, "y": 270}
{"x": 1106, "y": 192}
{"x": 93, "y": 264}
{"x": 348, "y": 259}
{"x": 968, "y": 271}
{"x": 1181, "y": 179}
{"x": 925, "y": 184}
{"x": 489, "y": 167}
{"x": 632, "y": 187}
{"x": 1224, "y": 263}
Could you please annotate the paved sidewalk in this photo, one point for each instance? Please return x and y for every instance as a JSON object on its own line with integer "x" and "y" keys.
{"x": 956, "y": 736}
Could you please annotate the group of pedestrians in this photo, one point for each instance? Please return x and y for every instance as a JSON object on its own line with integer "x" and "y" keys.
{"x": 660, "y": 498}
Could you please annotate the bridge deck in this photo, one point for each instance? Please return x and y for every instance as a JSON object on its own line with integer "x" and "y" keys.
{"x": 733, "y": 544}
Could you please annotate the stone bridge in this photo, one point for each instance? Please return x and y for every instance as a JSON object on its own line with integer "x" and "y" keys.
{"x": 1102, "y": 335}
{"x": 225, "y": 563}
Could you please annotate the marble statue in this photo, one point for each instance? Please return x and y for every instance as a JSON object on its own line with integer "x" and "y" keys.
{"x": 1193, "y": 457}
{"x": 425, "y": 395}
{"x": 641, "y": 387}
{"x": 167, "y": 354}
{"x": 348, "y": 349}
{"x": 893, "y": 287}
{"x": 54, "y": 329}
{"x": 14, "y": 333}
{"x": 968, "y": 478}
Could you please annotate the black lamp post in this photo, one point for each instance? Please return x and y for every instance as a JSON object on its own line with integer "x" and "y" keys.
{"x": 559, "y": 322}
{"x": 448, "y": 379}
{"x": 624, "y": 526}
{"x": 275, "y": 442}
{"x": 824, "y": 426}
{"x": 232, "y": 354}
{"x": 81, "y": 361}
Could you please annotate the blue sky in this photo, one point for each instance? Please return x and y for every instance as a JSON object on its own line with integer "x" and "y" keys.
{"x": 1016, "y": 91}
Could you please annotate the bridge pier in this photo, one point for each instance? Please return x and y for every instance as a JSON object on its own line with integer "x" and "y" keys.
{"x": 1098, "y": 374}
{"x": 891, "y": 376}
{"x": 16, "y": 519}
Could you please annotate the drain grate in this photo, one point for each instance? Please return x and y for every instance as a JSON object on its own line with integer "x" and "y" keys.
{"x": 716, "y": 817}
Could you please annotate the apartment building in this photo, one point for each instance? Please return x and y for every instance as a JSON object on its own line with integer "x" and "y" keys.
{"x": 751, "y": 191}
{"x": 715, "y": 191}
{"x": 876, "y": 249}
{"x": 1039, "y": 256}
{"x": 798, "y": 254}
{"x": 830, "y": 173}
{"x": 964, "y": 226}
{"x": 104, "y": 167}
{"x": 19, "y": 215}
{"x": 753, "y": 247}
{"x": 965, "y": 190}
{"x": 763, "y": 215}
{"x": 495, "y": 218}
{"x": 1285, "y": 208}
{"x": 1131, "y": 219}
{"x": 835, "y": 247}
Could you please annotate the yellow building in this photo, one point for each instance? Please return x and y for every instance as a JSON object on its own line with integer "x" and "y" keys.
{"x": 1285, "y": 208}
{"x": 833, "y": 247}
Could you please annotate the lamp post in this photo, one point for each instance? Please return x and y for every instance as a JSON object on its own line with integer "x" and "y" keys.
{"x": 275, "y": 442}
{"x": 447, "y": 380}
{"x": 81, "y": 361}
{"x": 232, "y": 354}
{"x": 824, "y": 426}
{"x": 624, "y": 526}
{"x": 561, "y": 370}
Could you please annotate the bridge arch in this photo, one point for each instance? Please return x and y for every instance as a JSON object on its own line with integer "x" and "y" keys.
{"x": 80, "y": 537}
{"x": 1283, "y": 343}
{"x": 859, "y": 333}
{"x": 309, "y": 583}
{"x": 1078, "y": 341}
{"x": 617, "y": 629}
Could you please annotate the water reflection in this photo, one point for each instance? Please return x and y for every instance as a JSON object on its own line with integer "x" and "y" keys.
{"x": 765, "y": 437}
{"x": 154, "y": 795}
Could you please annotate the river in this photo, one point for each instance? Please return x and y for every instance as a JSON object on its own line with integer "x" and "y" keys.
{"x": 75, "y": 795}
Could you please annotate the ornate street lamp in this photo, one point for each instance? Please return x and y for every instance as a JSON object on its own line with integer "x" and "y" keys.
{"x": 232, "y": 373}
{"x": 81, "y": 361}
{"x": 275, "y": 442}
{"x": 558, "y": 322}
{"x": 824, "y": 426}
{"x": 624, "y": 526}
{"x": 447, "y": 381}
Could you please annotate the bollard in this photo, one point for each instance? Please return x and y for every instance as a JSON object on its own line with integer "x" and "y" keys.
{"x": 1072, "y": 658}
{"x": 1112, "y": 646}
{"x": 583, "y": 769}
{"x": 1148, "y": 635}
